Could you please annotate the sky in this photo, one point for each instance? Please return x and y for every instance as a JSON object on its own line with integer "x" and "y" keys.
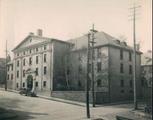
{"x": 67, "y": 19}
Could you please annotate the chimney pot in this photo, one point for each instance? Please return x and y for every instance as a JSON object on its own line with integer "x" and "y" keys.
{"x": 39, "y": 32}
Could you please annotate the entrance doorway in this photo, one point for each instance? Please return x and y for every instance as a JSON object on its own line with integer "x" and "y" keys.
{"x": 29, "y": 82}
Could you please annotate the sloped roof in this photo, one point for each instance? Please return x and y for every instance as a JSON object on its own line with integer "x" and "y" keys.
{"x": 146, "y": 58}
{"x": 45, "y": 39}
{"x": 101, "y": 38}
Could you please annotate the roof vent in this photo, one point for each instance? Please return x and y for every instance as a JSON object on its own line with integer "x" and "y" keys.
{"x": 118, "y": 41}
{"x": 124, "y": 43}
{"x": 31, "y": 33}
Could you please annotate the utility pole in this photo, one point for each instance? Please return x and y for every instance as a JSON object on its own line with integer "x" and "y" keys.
{"x": 92, "y": 64}
{"x": 87, "y": 80}
{"x": 6, "y": 67}
{"x": 134, "y": 51}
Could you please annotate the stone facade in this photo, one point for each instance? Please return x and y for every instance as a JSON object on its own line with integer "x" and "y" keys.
{"x": 113, "y": 67}
{"x": 36, "y": 56}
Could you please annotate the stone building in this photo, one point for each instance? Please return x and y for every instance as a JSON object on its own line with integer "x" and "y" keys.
{"x": 39, "y": 61}
{"x": 2, "y": 71}
{"x": 146, "y": 76}
{"x": 10, "y": 75}
{"x": 113, "y": 66}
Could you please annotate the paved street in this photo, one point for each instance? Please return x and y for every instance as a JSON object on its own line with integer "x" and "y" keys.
{"x": 30, "y": 108}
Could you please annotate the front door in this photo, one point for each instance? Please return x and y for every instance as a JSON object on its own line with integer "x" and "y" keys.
{"x": 29, "y": 82}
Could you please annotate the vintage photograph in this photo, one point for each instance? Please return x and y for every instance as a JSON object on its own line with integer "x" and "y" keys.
{"x": 75, "y": 59}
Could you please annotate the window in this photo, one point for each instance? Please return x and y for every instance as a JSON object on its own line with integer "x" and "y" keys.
{"x": 8, "y": 77}
{"x": 131, "y": 84}
{"x": 79, "y": 83}
{"x": 23, "y": 62}
{"x": 90, "y": 68}
{"x": 142, "y": 83}
{"x": 131, "y": 91}
{"x": 130, "y": 69}
{"x": 24, "y": 53}
{"x": 18, "y": 63}
{"x": 98, "y": 52}
{"x": 80, "y": 69}
{"x": 121, "y": 54}
{"x": 23, "y": 84}
{"x": 36, "y": 49}
{"x": 23, "y": 73}
{"x": 68, "y": 70}
{"x": 122, "y": 83}
{"x": 36, "y": 84}
{"x": 45, "y": 70}
{"x": 45, "y": 57}
{"x": 12, "y": 67}
{"x": 17, "y": 54}
{"x": 8, "y": 67}
{"x": 44, "y": 47}
{"x": 98, "y": 83}
{"x": 44, "y": 83}
{"x": 17, "y": 85}
{"x": 121, "y": 68}
{"x": 17, "y": 74}
{"x": 36, "y": 71}
{"x": 122, "y": 91}
{"x": 36, "y": 59}
{"x": 11, "y": 76}
{"x": 30, "y": 61}
{"x": 98, "y": 66}
{"x": 30, "y": 51}
{"x": 130, "y": 56}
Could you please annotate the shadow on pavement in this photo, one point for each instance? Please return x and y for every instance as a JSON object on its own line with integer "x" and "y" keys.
{"x": 8, "y": 114}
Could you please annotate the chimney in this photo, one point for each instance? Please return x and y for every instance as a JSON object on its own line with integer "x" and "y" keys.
{"x": 39, "y": 32}
{"x": 138, "y": 47}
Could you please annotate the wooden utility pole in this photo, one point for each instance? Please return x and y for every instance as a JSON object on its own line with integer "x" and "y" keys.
{"x": 6, "y": 67}
{"x": 87, "y": 80}
{"x": 92, "y": 64}
{"x": 134, "y": 51}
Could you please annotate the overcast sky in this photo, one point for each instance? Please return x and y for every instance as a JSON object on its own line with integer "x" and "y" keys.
{"x": 66, "y": 19}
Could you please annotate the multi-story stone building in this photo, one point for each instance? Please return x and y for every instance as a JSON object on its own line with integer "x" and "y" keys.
{"x": 39, "y": 59}
{"x": 57, "y": 65}
{"x": 113, "y": 66}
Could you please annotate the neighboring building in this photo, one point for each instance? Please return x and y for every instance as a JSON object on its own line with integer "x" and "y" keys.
{"x": 10, "y": 74}
{"x": 2, "y": 71}
{"x": 113, "y": 66}
{"x": 39, "y": 59}
{"x": 146, "y": 75}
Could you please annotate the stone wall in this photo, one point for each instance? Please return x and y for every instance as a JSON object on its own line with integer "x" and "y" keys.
{"x": 81, "y": 96}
